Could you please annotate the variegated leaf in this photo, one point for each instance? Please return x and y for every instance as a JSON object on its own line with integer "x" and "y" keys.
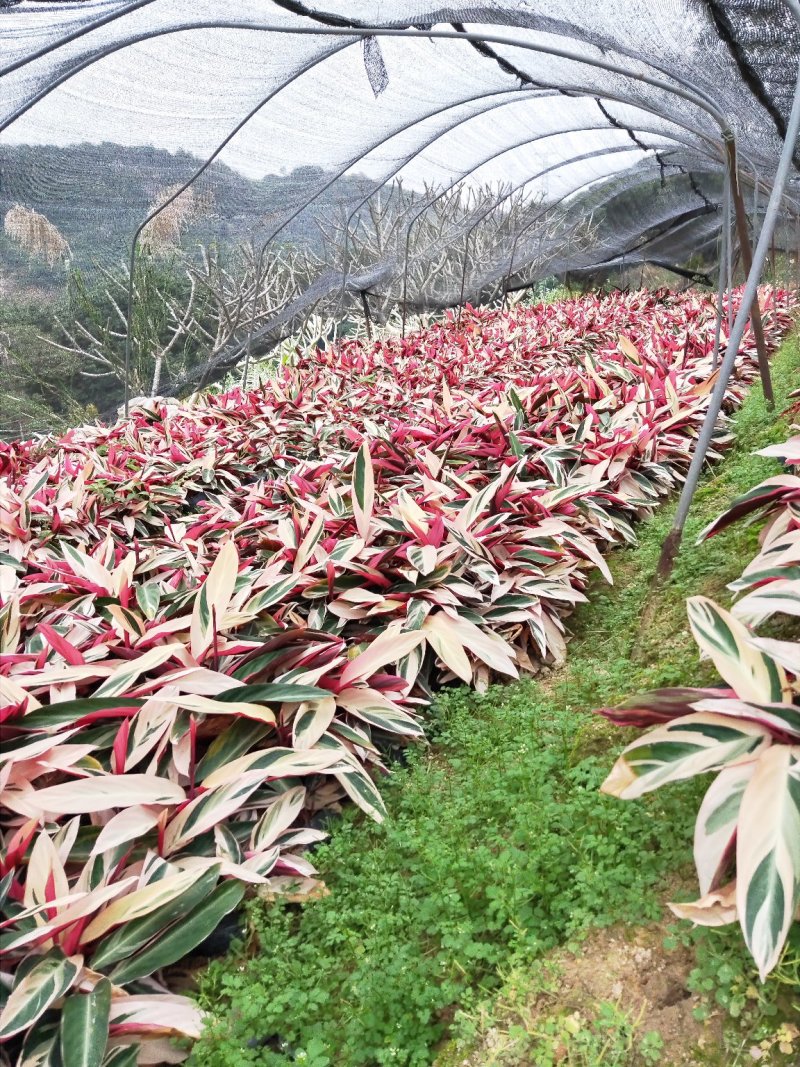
{"x": 311, "y": 720}
{"x": 213, "y": 599}
{"x": 779, "y": 597}
{"x": 279, "y": 816}
{"x": 265, "y": 598}
{"x": 211, "y": 807}
{"x": 682, "y": 749}
{"x": 362, "y": 791}
{"x": 123, "y": 678}
{"x": 106, "y": 791}
{"x": 751, "y": 673}
{"x": 138, "y": 903}
{"x": 46, "y": 982}
{"x": 388, "y": 647}
{"x": 715, "y": 828}
{"x": 768, "y": 854}
{"x": 363, "y": 490}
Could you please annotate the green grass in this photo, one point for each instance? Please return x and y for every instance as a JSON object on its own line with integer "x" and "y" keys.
{"x": 498, "y": 846}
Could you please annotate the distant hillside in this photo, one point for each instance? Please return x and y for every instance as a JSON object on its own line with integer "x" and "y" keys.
{"x": 98, "y": 194}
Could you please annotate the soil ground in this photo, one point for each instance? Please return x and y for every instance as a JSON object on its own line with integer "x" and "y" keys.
{"x": 625, "y": 967}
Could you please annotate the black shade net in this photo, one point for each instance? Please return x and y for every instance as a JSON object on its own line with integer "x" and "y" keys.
{"x": 329, "y": 171}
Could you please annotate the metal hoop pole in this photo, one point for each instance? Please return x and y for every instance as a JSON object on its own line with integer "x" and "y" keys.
{"x": 683, "y": 88}
{"x": 182, "y": 189}
{"x": 74, "y": 36}
{"x": 582, "y": 90}
{"x": 549, "y": 207}
{"x": 521, "y": 185}
{"x": 729, "y": 246}
{"x": 477, "y": 166}
{"x": 409, "y": 158}
{"x": 746, "y": 253}
{"x": 724, "y": 236}
{"x": 672, "y": 543}
{"x": 679, "y": 86}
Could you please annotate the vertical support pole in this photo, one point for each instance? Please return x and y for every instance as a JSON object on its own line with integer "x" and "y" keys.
{"x": 728, "y": 251}
{"x": 129, "y": 320}
{"x": 246, "y": 370}
{"x": 673, "y": 540}
{"x": 464, "y": 274}
{"x": 258, "y": 267}
{"x": 256, "y": 285}
{"x": 724, "y": 236}
{"x": 405, "y": 273}
{"x": 367, "y": 316}
{"x": 747, "y": 263}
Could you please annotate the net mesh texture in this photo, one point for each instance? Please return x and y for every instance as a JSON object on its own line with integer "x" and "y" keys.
{"x": 300, "y": 167}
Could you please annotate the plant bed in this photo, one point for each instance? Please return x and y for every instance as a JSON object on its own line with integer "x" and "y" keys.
{"x": 188, "y": 686}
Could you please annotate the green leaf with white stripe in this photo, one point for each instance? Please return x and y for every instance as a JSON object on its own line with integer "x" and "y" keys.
{"x": 179, "y": 941}
{"x": 781, "y": 596}
{"x": 347, "y": 549}
{"x": 423, "y": 558}
{"x": 279, "y": 816}
{"x": 417, "y": 612}
{"x": 265, "y": 598}
{"x": 516, "y": 445}
{"x": 782, "y": 719}
{"x": 45, "y": 983}
{"x": 309, "y": 543}
{"x": 750, "y": 579}
{"x": 84, "y": 1026}
{"x": 275, "y": 762}
{"x": 481, "y": 501}
{"x": 140, "y": 902}
{"x": 228, "y": 848}
{"x": 682, "y": 749}
{"x": 767, "y": 492}
{"x": 231, "y": 743}
{"x": 311, "y": 721}
{"x": 768, "y": 855}
{"x": 362, "y": 791}
{"x": 135, "y": 933}
{"x": 751, "y": 673}
{"x": 213, "y": 599}
{"x": 66, "y": 712}
{"x": 377, "y": 710}
{"x": 148, "y": 597}
{"x": 272, "y": 693}
{"x": 205, "y": 811}
{"x": 41, "y": 1047}
{"x": 787, "y": 653}
{"x": 5, "y": 886}
{"x": 363, "y": 489}
{"x": 123, "y": 677}
{"x": 715, "y": 829}
{"x": 81, "y": 796}
{"x": 336, "y": 503}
